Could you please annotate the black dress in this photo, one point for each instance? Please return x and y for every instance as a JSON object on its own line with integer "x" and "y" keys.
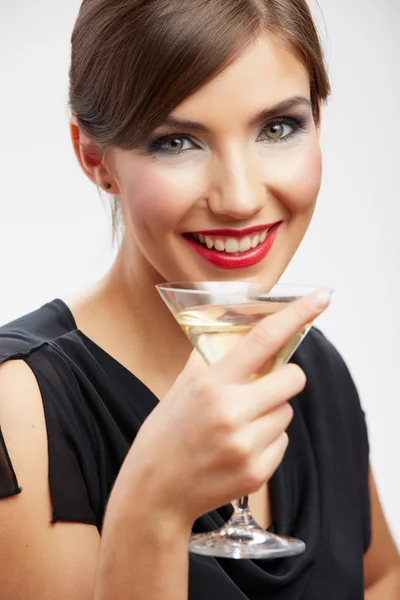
{"x": 94, "y": 407}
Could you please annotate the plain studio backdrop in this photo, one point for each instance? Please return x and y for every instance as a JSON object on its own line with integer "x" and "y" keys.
{"x": 55, "y": 234}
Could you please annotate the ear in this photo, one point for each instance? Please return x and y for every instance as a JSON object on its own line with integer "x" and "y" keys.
{"x": 91, "y": 159}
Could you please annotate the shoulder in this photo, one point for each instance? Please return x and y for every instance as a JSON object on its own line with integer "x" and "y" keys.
{"x": 21, "y": 419}
{"x": 330, "y": 401}
{"x": 331, "y": 408}
{"x": 317, "y": 349}
{"x": 324, "y": 365}
{"x": 331, "y": 404}
{"x": 19, "y": 337}
{"x": 45, "y": 421}
{"x": 20, "y": 399}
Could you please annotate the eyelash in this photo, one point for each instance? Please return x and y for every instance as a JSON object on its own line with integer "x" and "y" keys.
{"x": 299, "y": 125}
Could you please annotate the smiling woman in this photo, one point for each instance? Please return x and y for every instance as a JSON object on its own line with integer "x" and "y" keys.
{"x": 251, "y": 160}
{"x": 202, "y": 119}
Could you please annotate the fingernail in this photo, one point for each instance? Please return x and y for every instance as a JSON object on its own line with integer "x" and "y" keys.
{"x": 320, "y": 299}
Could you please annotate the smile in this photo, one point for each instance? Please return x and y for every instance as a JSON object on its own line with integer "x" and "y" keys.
{"x": 232, "y": 245}
{"x": 231, "y": 249}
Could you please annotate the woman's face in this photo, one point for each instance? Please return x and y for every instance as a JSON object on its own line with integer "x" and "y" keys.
{"x": 226, "y": 187}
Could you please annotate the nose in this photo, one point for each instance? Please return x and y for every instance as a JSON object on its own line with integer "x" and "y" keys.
{"x": 238, "y": 191}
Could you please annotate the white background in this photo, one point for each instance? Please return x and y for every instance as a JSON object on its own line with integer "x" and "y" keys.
{"x": 55, "y": 232}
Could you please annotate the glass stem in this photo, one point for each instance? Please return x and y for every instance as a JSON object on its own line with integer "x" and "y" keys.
{"x": 242, "y": 517}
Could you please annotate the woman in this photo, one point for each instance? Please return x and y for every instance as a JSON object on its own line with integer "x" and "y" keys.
{"x": 199, "y": 117}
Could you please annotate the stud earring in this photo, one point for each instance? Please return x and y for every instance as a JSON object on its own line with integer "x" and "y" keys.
{"x": 108, "y": 186}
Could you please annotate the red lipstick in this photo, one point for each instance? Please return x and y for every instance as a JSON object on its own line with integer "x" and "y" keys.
{"x": 241, "y": 260}
{"x": 236, "y": 233}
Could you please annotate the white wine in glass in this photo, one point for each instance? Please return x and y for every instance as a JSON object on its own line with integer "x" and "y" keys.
{"x": 215, "y": 316}
{"x": 214, "y": 330}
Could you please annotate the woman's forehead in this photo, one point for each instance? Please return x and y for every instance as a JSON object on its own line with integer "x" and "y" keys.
{"x": 264, "y": 75}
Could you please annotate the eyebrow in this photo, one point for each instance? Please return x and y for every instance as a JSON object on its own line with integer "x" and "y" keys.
{"x": 264, "y": 115}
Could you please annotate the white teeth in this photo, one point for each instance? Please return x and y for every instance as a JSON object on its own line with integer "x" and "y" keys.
{"x": 245, "y": 244}
{"x": 231, "y": 246}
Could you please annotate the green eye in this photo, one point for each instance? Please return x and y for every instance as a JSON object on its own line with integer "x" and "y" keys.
{"x": 275, "y": 131}
{"x": 173, "y": 146}
{"x": 282, "y": 130}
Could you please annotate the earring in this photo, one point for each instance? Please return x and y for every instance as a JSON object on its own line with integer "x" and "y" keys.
{"x": 108, "y": 186}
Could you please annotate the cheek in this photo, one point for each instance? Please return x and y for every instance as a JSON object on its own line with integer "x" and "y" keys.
{"x": 296, "y": 180}
{"x": 158, "y": 199}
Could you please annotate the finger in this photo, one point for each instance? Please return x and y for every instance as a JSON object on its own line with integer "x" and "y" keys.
{"x": 269, "y": 392}
{"x": 268, "y": 337}
{"x": 267, "y": 429}
{"x": 272, "y": 456}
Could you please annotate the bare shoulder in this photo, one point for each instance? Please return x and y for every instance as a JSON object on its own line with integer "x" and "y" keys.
{"x": 19, "y": 392}
{"x": 37, "y": 559}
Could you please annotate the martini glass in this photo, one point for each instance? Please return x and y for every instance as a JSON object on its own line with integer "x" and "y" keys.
{"x": 215, "y": 316}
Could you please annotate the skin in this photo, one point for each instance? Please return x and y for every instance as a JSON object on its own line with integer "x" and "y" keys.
{"x": 233, "y": 179}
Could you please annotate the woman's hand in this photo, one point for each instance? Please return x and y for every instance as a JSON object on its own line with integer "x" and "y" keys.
{"x": 219, "y": 435}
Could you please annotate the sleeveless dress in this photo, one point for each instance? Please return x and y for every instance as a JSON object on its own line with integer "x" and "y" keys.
{"x": 94, "y": 407}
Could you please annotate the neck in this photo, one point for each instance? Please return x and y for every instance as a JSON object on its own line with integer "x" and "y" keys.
{"x": 124, "y": 311}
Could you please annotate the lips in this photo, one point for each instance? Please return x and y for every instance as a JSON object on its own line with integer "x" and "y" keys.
{"x": 233, "y": 249}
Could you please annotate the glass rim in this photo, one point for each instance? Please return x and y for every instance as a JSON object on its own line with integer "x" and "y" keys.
{"x": 179, "y": 287}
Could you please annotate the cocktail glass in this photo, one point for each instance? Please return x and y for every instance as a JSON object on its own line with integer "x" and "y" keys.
{"x": 215, "y": 316}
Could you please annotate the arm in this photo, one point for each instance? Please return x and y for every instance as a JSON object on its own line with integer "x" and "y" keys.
{"x": 382, "y": 561}
{"x": 140, "y": 557}
{"x": 144, "y": 553}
